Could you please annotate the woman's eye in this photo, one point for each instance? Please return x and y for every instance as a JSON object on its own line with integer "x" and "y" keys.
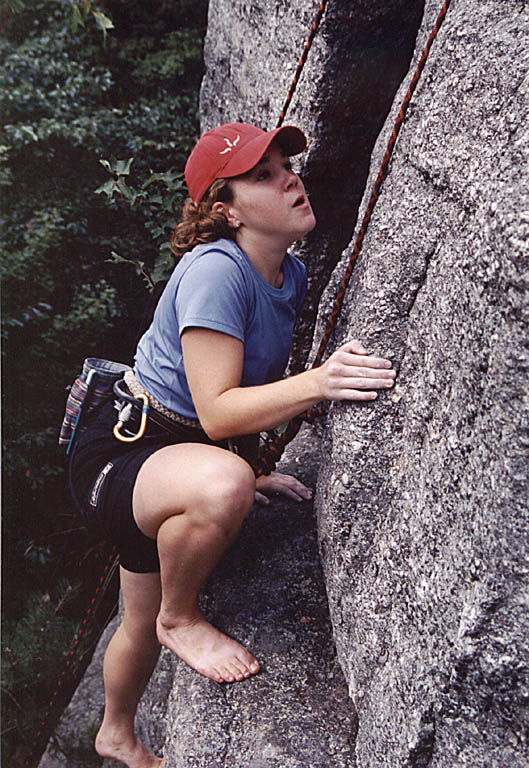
{"x": 263, "y": 175}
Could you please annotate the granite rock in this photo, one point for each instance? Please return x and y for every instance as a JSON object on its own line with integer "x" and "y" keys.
{"x": 267, "y": 592}
{"x": 422, "y": 496}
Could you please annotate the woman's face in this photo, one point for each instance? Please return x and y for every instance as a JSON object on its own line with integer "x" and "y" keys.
{"x": 270, "y": 201}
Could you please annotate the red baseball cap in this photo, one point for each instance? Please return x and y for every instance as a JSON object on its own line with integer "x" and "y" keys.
{"x": 232, "y": 149}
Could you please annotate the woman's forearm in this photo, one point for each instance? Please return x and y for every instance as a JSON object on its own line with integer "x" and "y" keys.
{"x": 214, "y": 363}
{"x": 247, "y": 410}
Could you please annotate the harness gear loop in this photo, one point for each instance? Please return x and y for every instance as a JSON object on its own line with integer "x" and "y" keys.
{"x": 125, "y": 415}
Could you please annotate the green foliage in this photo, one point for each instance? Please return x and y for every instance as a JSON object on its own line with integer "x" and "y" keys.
{"x": 11, "y": 6}
{"x": 5, "y": 171}
{"x": 74, "y": 90}
{"x": 154, "y": 204}
{"x": 39, "y": 633}
{"x": 76, "y": 13}
{"x": 33, "y": 657}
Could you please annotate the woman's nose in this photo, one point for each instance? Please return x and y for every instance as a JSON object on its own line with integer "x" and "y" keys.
{"x": 291, "y": 180}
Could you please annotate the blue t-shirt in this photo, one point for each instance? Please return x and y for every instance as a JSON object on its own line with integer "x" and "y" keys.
{"x": 216, "y": 286}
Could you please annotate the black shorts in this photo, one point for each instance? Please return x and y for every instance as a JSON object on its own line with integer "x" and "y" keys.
{"x": 103, "y": 472}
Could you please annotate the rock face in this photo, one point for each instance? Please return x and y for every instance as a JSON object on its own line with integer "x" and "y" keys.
{"x": 269, "y": 594}
{"x": 423, "y": 496}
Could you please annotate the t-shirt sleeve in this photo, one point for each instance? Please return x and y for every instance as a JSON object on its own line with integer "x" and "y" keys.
{"x": 213, "y": 294}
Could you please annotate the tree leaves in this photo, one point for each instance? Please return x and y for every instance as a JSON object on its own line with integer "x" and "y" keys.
{"x": 67, "y": 102}
{"x": 103, "y": 22}
{"x": 12, "y": 6}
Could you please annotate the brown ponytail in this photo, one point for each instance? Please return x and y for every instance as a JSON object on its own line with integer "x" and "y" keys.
{"x": 199, "y": 223}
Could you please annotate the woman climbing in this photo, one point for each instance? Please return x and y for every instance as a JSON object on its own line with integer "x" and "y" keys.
{"x": 213, "y": 361}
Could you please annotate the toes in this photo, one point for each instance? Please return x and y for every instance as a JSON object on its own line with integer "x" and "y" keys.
{"x": 227, "y": 674}
{"x": 239, "y": 669}
{"x": 248, "y": 666}
{"x": 242, "y": 656}
{"x": 216, "y": 675}
{"x": 249, "y": 663}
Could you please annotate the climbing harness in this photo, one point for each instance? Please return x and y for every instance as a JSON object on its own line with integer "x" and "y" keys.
{"x": 128, "y": 390}
{"x": 283, "y": 435}
{"x": 130, "y": 387}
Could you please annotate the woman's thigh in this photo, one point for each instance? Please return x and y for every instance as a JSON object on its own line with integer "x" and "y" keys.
{"x": 191, "y": 478}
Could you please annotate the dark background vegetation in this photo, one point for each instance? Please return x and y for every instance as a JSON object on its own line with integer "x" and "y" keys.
{"x": 75, "y": 91}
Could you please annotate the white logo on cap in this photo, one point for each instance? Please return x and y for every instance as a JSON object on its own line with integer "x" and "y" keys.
{"x": 230, "y": 146}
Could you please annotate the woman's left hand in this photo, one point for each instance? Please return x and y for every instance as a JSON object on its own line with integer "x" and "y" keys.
{"x": 283, "y": 485}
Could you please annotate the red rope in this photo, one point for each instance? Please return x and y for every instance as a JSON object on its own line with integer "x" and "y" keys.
{"x": 77, "y": 639}
{"x": 306, "y": 49}
{"x": 267, "y": 462}
{"x": 375, "y": 193}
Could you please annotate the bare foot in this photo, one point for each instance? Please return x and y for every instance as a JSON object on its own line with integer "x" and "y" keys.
{"x": 110, "y": 743}
{"x": 207, "y": 650}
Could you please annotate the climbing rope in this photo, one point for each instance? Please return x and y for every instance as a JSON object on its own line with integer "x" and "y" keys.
{"x": 306, "y": 49}
{"x": 375, "y": 193}
{"x": 106, "y": 577}
{"x": 276, "y": 446}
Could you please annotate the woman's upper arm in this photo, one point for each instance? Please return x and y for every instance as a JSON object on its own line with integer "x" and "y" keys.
{"x": 213, "y": 364}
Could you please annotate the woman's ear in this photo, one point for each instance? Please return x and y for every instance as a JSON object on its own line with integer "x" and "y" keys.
{"x": 231, "y": 218}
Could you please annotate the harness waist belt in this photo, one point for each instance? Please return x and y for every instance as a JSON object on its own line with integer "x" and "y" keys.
{"x": 246, "y": 446}
{"x": 172, "y": 425}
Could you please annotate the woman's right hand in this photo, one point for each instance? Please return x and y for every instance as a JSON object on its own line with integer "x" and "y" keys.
{"x": 351, "y": 374}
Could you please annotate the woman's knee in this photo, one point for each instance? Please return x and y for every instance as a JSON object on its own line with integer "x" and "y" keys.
{"x": 228, "y": 493}
{"x": 209, "y": 483}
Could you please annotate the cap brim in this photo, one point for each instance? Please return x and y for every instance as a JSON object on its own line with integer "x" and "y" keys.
{"x": 292, "y": 140}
